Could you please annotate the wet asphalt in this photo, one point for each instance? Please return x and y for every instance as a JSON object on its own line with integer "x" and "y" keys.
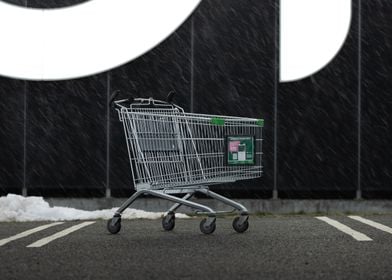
{"x": 274, "y": 247}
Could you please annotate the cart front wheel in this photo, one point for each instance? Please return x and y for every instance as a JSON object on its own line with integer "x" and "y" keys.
{"x": 114, "y": 225}
{"x": 205, "y": 228}
{"x": 240, "y": 227}
{"x": 168, "y": 222}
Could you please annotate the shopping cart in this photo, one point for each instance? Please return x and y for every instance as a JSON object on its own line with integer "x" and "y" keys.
{"x": 172, "y": 152}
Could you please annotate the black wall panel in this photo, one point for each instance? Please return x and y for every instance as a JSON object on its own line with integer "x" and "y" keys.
{"x": 45, "y": 4}
{"x": 66, "y": 137}
{"x": 234, "y": 71}
{"x": 12, "y": 94}
{"x": 17, "y": 2}
{"x": 221, "y": 61}
{"x": 165, "y": 68}
{"x": 376, "y": 164}
{"x": 53, "y": 3}
{"x": 11, "y": 135}
{"x": 317, "y": 128}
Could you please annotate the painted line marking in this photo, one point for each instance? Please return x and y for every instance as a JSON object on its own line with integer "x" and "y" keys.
{"x": 59, "y": 234}
{"x": 353, "y": 233}
{"x": 27, "y": 233}
{"x": 372, "y": 223}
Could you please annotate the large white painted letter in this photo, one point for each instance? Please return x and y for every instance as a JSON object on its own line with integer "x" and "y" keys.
{"x": 85, "y": 39}
{"x": 311, "y": 34}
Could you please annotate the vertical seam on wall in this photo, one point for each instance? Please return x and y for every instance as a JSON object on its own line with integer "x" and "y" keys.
{"x": 276, "y": 69}
{"x": 359, "y": 95}
{"x": 108, "y": 85}
{"x": 24, "y": 188}
{"x": 192, "y": 65}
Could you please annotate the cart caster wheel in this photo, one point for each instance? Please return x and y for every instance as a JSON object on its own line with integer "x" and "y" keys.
{"x": 169, "y": 221}
{"x": 113, "y": 229}
{"x": 207, "y": 229}
{"x": 240, "y": 227}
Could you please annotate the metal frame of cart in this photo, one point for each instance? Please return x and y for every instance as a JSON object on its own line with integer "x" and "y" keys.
{"x": 174, "y": 152}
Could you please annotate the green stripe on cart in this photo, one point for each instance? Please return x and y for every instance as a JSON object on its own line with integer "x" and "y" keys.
{"x": 217, "y": 121}
{"x": 260, "y": 122}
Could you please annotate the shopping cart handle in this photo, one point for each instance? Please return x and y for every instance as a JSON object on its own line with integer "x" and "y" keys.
{"x": 169, "y": 97}
{"x": 114, "y": 95}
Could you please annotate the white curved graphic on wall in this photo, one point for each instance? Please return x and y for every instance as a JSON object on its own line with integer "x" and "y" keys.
{"x": 312, "y": 32}
{"x": 85, "y": 39}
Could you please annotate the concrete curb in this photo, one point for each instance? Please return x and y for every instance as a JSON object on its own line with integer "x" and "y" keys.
{"x": 268, "y": 206}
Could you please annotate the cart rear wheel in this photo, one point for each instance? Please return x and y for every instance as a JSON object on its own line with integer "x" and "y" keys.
{"x": 169, "y": 221}
{"x": 114, "y": 228}
{"x": 207, "y": 229}
{"x": 240, "y": 227}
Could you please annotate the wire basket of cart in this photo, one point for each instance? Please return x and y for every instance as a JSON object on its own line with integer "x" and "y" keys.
{"x": 172, "y": 152}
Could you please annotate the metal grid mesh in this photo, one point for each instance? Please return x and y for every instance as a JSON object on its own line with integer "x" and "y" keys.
{"x": 171, "y": 149}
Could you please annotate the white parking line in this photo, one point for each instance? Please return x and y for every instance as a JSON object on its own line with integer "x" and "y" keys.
{"x": 353, "y": 233}
{"x": 372, "y": 223}
{"x": 59, "y": 234}
{"x": 27, "y": 233}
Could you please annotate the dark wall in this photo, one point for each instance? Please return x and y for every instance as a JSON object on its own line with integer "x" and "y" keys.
{"x": 66, "y": 135}
{"x": 12, "y": 116}
{"x": 47, "y": 4}
{"x": 332, "y": 129}
{"x": 376, "y": 83}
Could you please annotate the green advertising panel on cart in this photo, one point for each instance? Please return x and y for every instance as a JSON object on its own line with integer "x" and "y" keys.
{"x": 240, "y": 150}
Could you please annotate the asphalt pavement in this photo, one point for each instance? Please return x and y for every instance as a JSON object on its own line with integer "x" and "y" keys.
{"x": 274, "y": 247}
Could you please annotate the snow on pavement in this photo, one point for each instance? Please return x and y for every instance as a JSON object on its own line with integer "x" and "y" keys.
{"x": 26, "y": 209}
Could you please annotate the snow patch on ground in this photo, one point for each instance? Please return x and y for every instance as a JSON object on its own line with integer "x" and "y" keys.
{"x": 26, "y": 209}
